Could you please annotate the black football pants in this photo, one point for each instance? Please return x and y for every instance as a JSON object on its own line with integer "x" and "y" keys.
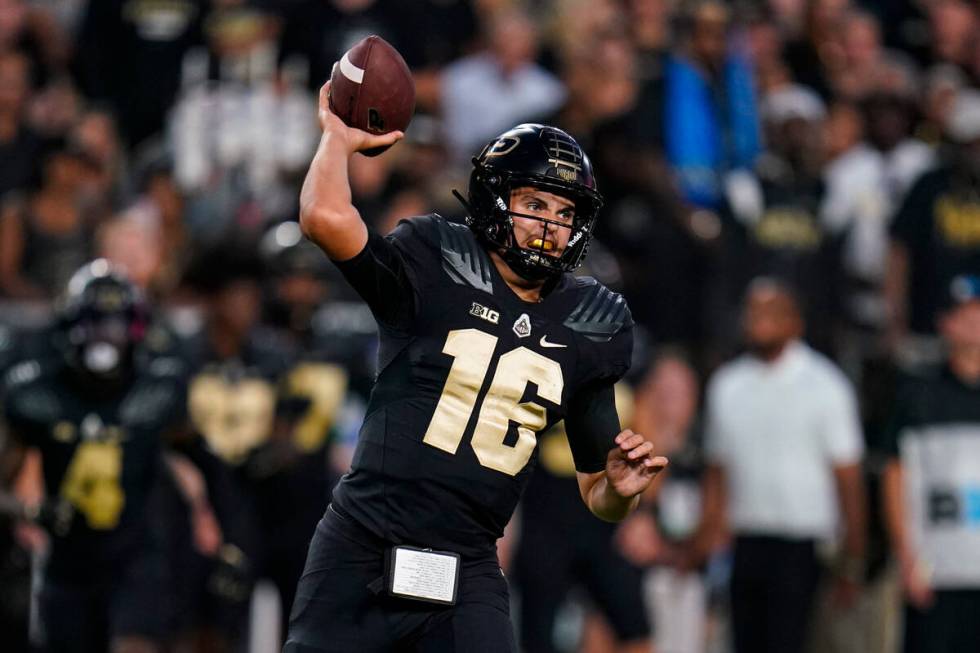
{"x": 773, "y": 584}
{"x": 550, "y": 562}
{"x": 336, "y": 611}
{"x": 950, "y": 625}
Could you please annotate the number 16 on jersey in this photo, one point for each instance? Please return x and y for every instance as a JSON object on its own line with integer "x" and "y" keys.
{"x": 473, "y": 351}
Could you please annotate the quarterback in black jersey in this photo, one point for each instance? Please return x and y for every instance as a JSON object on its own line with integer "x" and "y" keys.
{"x": 486, "y": 340}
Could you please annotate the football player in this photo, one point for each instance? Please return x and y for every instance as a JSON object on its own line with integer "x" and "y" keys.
{"x": 486, "y": 339}
{"x": 15, "y": 567}
{"x": 561, "y": 547}
{"x": 292, "y": 473}
{"x": 92, "y": 412}
{"x": 234, "y": 407}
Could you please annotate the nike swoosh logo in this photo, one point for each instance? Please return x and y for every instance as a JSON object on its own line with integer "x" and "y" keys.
{"x": 545, "y": 343}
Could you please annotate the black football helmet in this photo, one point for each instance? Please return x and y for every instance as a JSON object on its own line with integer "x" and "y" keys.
{"x": 285, "y": 251}
{"x": 542, "y": 157}
{"x": 100, "y": 320}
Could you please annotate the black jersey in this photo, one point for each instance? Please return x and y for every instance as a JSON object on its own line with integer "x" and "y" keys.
{"x": 469, "y": 374}
{"x": 101, "y": 454}
{"x": 232, "y": 402}
{"x": 935, "y": 433}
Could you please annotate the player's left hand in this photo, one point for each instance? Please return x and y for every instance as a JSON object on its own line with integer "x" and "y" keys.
{"x": 631, "y": 465}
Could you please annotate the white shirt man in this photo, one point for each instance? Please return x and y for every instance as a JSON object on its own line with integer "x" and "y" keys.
{"x": 783, "y": 451}
{"x": 779, "y": 429}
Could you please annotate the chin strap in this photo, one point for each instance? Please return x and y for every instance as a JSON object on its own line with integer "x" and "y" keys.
{"x": 466, "y": 205}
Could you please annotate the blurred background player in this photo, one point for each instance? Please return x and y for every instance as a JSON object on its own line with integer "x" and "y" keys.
{"x": 233, "y": 405}
{"x": 934, "y": 236}
{"x": 292, "y": 474}
{"x": 94, "y": 412}
{"x": 563, "y": 552}
{"x": 15, "y": 562}
{"x": 932, "y": 483}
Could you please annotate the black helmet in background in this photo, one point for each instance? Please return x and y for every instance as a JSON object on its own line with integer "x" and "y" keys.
{"x": 541, "y": 157}
{"x": 298, "y": 277}
{"x": 101, "y": 318}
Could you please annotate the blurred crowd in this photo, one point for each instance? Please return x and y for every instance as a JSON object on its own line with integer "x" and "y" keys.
{"x": 829, "y": 148}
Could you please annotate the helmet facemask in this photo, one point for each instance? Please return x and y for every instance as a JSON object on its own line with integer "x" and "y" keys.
{"x": 102, "y": 319}
{"x": 491, "y": 217}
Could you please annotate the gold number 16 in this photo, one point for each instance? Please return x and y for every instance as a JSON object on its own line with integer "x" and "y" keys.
{"x": 472, "y": 350}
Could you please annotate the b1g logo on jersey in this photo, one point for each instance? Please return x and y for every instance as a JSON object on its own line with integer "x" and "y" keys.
{"x": 484, "y": 313}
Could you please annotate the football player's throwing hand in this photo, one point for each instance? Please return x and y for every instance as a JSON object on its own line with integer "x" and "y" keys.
{"x": 356, "y": 139}
{"x": 631, "y": 465}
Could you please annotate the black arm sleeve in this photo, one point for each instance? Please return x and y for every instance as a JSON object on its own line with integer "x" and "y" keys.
{"x": 592, "y": 425}
{"x": 903, "y": 416}
{"x": 380, "y": 276}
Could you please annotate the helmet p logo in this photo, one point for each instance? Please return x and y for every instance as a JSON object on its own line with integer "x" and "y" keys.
{"x": 503, "y": 146}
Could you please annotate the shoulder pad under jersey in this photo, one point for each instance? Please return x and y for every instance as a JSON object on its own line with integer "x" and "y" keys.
{"x": 600, "y": 313}
{"x": 28, "y": 399}
{"x": 154, "y": 400}
{"x": 22, "y": 373}
{"x": 463, "y": 257}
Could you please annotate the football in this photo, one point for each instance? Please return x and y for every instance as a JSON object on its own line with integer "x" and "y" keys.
{"x": 371, "y": 88}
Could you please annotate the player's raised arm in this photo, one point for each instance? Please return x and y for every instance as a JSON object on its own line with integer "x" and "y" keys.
{"x": 327, "y": 214}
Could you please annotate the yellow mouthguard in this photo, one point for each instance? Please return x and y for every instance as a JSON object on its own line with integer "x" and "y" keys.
{"x": 544, "y": 245}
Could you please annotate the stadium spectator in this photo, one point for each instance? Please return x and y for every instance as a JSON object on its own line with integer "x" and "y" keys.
{"x": 611, "y": 107}
{"x": 240, "y": 136}
{"x": 865, "y": 186}
{"x": 766, "y": 50}
{"x": 649, "y": 26}
{"x": 132, "y": 240}
{"x": 486, "y": 92}
{"x": 48, "y": 234}
{"x": 20, "y": 146}
{"x": 95, "y": 132}
{"x": 936, "y": 235}
{"x": 784, "y": 449}
{"x": 32, "y": 30}
{"x": 133, "y": 57}
{"x": 660, "y": 533}
{"x": 777, "y": 227}
{"x": 931, "y": 481}
{"x": 319, "y": 31}
{"x": 941, "y": 85}
{"x": 812, "y": 50}
{"x": 861, "y": 55}
{"x": 710, "y": 121}
{"x": 866, "y": 181}
{"x": 952, "y": 28}
{"x": 54, "y": 108}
